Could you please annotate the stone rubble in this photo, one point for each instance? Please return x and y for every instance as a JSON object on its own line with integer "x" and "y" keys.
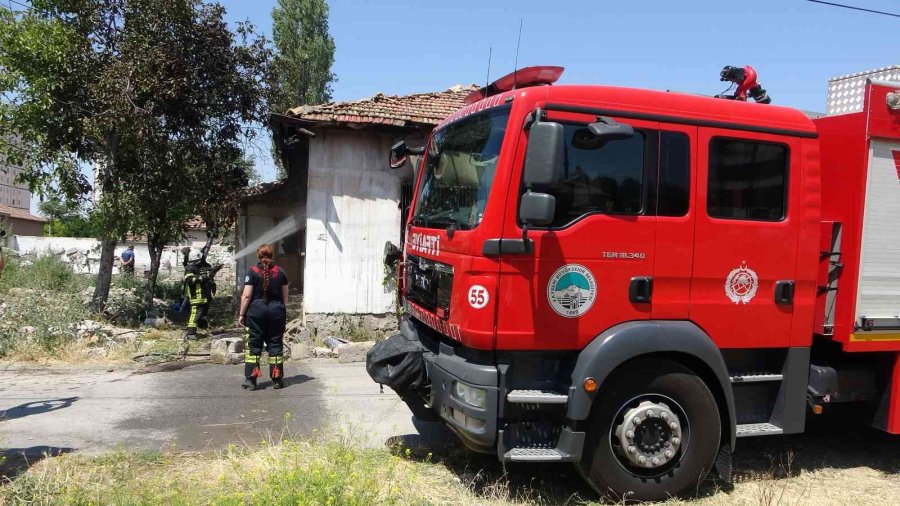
{"x": 227, "y": 350}
{"x": 354, "y": 352}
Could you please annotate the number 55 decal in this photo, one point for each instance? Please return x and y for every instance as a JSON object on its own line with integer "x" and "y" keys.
{"x": 478, "y": 296}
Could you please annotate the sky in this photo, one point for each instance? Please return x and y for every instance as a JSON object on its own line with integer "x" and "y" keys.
{"x": 400, "y": 47}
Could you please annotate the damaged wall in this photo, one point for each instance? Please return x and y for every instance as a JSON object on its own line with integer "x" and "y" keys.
{"x": 260, "y": 216}
{"x": 352, "y": 211}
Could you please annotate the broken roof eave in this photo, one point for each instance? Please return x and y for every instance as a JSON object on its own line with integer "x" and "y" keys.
{"x": 299, "y": 124}
{"x": 360, "y": 123}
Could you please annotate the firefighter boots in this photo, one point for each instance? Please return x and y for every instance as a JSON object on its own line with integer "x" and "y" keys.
{"x": 276, "y": 372}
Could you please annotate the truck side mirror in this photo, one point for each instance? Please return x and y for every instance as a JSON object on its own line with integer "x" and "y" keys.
{"x": 545, "y": 155}
{"x": 537, "y": 209}
{"x": 399, "y": 153}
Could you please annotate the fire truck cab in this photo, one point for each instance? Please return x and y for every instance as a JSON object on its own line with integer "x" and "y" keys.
{"x": 630, "y": 280}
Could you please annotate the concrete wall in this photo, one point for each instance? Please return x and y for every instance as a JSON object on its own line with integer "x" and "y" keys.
{"x": 84, "y": 256}
{"x": 352, "y": 211}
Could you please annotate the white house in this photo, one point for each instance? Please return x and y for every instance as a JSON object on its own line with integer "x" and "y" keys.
{"x": 340, "y": 203}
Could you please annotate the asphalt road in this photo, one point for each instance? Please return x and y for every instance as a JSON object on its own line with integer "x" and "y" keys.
{"x": 195, "y": 408}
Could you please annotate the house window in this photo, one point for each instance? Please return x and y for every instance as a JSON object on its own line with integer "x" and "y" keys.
{"x": 747, "y": 180}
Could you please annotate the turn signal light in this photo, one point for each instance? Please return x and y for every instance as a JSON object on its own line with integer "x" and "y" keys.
{"x": 817, "y": 409}
{"x": 590, "y": 385}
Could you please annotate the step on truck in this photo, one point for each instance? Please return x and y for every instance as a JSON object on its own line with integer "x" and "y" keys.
{"x": 633, "y": 280}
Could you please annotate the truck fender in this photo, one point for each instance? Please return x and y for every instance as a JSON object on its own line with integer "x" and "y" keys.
{"x": 630, "y": 340}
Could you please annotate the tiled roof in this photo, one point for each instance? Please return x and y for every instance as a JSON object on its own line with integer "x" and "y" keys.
{"x": 18, "y": 214}
{"x": 409, "y": 110}
{"x": 263, "y": 189}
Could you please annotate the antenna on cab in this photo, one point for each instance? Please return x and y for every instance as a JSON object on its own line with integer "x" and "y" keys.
{"x": 516, "y": 64}
{"x": 487, "y": 78}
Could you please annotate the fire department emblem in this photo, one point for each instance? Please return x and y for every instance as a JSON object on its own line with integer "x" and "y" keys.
{"x": 571, "y": 290}
{"x": 741, "y": 284}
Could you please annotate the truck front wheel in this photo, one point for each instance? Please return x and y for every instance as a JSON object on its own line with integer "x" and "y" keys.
{"x": 653, "y": 432}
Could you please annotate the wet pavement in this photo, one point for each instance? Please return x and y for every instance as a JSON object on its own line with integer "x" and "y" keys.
{"x": 195, "y": 408}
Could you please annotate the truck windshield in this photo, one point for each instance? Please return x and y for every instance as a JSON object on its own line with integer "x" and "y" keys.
{"x": 458, "y": 171}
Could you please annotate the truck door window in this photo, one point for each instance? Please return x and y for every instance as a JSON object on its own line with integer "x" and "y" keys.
{"x": 674, "y": 174}
{"x": 605, "y": 177}
{"x": 747, "y": 180}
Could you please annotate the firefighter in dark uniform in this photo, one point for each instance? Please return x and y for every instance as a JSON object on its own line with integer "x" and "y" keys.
{"x": 263, "y": 315}
{"x": 197, "y": 293}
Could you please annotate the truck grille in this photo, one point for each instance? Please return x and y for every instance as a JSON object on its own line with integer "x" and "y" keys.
{"x": 428, "y": 284}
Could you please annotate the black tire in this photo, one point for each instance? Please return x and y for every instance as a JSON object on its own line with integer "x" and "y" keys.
{"x": 610, "y": 474}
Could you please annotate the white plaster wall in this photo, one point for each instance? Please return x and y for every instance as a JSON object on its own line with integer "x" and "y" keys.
{"x": 352, "y": 211}
{"x": 84, "y": 254}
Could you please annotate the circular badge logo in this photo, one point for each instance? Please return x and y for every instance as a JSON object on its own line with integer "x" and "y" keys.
{"x": 478, "y": 296}
{"x": 571, "y": 290}
{"x": 741, "y": 285}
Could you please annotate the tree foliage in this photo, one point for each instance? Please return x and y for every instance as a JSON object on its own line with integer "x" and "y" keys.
{"x": 305, "y": 54}
{"x": 67, "y": 218}
{"x": 159, "y": 94}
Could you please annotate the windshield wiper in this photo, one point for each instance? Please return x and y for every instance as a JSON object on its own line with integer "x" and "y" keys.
{"x": 449, "y": 221}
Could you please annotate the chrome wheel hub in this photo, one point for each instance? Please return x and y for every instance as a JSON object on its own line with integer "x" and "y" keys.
{"x": 649, "y": 435}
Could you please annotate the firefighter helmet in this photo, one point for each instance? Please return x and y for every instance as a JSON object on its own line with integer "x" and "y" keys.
{"x": 194, "y": 255}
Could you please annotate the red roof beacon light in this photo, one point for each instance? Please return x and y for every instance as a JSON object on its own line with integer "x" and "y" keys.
{"x": 522, "y": 78}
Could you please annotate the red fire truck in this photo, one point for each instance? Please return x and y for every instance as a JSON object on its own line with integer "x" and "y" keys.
{"x": 631, "y": 280}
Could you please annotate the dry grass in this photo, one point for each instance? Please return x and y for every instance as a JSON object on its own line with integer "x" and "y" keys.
{"x": 816, "y": 469}
{"x": 152, "y": 346}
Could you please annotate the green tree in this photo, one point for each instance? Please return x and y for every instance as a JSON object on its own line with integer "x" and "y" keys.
{"x": 65, "y": 217}
{"x": 304, "y": 54}
{"x": 135, "y": 87}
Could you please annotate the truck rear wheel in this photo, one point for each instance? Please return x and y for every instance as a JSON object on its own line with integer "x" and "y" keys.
{"x": 653, "y": 433}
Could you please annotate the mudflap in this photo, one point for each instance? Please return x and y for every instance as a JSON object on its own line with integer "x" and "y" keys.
{"x": 398, "y": 363}
{"x": 724, "y": 468}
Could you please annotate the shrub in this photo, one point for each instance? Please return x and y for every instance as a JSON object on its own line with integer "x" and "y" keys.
{"x": 46, "y": 273}
{"x": 129, "y": 282}
{"x": 168, "y": 290}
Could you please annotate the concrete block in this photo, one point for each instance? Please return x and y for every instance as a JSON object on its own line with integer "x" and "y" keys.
{"x": 354, "y": 352}
{"x": 218, "y": 346}
{"x": 235, "y": 344}
{"x": 227, "y": 345}
{"x": 323, "y": 353}
{"x": 226, "y": 358}
{"x": 299, "y": 351}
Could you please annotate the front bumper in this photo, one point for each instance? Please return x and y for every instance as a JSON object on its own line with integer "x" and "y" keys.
{"x": 477, "y": 427}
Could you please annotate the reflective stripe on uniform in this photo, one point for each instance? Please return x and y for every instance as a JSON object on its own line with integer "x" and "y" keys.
{"x": 192, "y": 322}
{"x": 276, "y": 359}
{"x": 249, "y": 358}
{"x": 198, "y": 297}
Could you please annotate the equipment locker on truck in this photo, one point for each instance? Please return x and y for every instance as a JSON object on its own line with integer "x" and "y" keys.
{"x": 630, "y": 280}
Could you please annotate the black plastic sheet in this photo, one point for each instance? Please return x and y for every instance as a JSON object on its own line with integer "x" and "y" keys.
{"x": 397, "y": 362}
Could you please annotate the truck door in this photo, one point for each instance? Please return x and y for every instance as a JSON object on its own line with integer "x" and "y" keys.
{"x": 576, "y": 281}
{"x": 745, "y": 251}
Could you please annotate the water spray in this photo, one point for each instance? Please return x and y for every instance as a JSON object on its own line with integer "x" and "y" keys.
{"x": 283, "y": 229}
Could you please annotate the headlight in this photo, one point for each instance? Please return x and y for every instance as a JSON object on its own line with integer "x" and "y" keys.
{"x": 470, "y": 395}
